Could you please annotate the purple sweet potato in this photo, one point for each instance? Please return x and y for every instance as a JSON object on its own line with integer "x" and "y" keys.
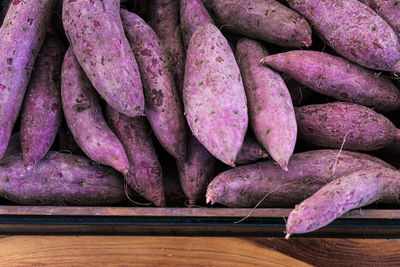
{"x": 60, "y": 179}
{"x": 42, "y": 113}
{"x": 250, "y": 151}
{"x": 338, "y": 78}
{"x": 95, "y": 32}
{"x": 354, "y": 126}
{"x": 350, "y": 191}
{"x": 83, "y": 114}
{"x": 21, "y": 37}
{"x": 214, "y": 97}
{"x": 298, "y": 92}
{"x": 163, "y": 108}
{"x": 245, "y": 186}
{"x": 145, "y": 173}
{"x": 389, "y": 10}
{"x": 196, "y": 171}
{"x": 266, "y": 20}
{"x": 193, "y": 15}
{"x": 354, "y": 31}
{"x": 164, "y": 19}
{"x": 271, "y": 109}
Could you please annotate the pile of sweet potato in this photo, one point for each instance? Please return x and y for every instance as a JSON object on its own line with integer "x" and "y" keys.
{"x": 180, "y": 103}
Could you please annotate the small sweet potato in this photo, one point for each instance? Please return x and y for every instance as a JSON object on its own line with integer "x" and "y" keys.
{"x": 271, "y": 109}
{"x": 389, "y": 10}
{"x": 164, "y": 19}
{"x": 338, "y": 78}
{"x": 354, "y": 126}
{"x": 266, "y": 20}
{"x": 354, "y": 31}
{"x": 21, "y": 37}
{"x": 94, "y": 30}
{"x": 60, "y": 179}
{"x": 83, "y": 114}
{"x": 196, "y": 171}
{"x": 163, "y": 108}
{"x": 214, "y": 97}
{"x": 250, "y": 151}
{"x": 348, "y": 192}
{"x": 42, "y": 112}
{"x": 193, "y": 15}
{"x": 245, "y": 186}
{"x": 145, "y": 173}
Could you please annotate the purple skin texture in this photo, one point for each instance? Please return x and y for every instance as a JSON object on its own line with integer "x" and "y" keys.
{"x": 266, "y": 91}
{"x": 83, "y": 114}
{"x": 145, "y": 173}
{"x": 338, "y": 78}
{"x": 349, "y": 192}
{"x": 354, "y": 31}
{"x": 329, "y": 124}
{"x": 193, "y": 15}
{"x": 389, "y": 10}
{"x": 163, "y": 108}
{"x": 25, "y": 20}
{"x": 60, "y": 179}
{"x": 214, "y": 97}
{"x": 250, "y": 151}
{"x": 94, "y": 30}
{"x": 196, "y": 171}
{"x": 42, "y": 112}
{"x": 164, "y": 19}
{"x": 298, "y": 92}
{"x": 245, "y": 186}
{"x": 265, "y": 20}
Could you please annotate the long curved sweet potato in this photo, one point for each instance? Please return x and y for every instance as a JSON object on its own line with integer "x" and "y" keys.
{"x": 354, "y": 31}
{"x": 83, "y": 114}
{"x": 42, "y": 112}
{"x": 60, "y": 179}
{"x": 245, "y": 186}
{"x": 95, "y": 32}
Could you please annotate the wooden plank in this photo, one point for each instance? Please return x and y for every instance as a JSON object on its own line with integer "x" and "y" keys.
{"x": 137, "y": 251}
{"x": 336, "y": 252}
{"x": 182, "y": 212}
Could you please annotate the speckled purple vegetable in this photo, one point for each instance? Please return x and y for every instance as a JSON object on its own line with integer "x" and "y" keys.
{"x": 42, "y": 112}
{"x": 214, "y": 97}
{"x": 329, "y": 124}
{"x": 351, "y": 191}
{"x": 196, "y": 171}
{"x": 60, "y": 179}
{"x": 271, "y": 109}
{"x": 164, "y": 19}
{"x": 145, "y": 173}
{"x": 245, "y": 186}
{"x": 21, "y": 37}
{"x": 298, "y": 92}
{"x": 354, "y": 31}
{"x": 250, "y": 151}
{"x": 85, "y": 120}
{"x": 95, "y": 32}
{"x": 389, "y": 10}
{"x": 163, "y": 108}
{"x": 266, "y": 20}
{"x": 193, "y": 14}
{"x": 338, "y": 78}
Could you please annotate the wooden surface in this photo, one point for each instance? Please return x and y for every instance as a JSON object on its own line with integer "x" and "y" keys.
{"x": 194, "y": 251}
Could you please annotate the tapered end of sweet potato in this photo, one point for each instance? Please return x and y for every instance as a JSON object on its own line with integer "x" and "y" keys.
{"x": 209, "y": 199}
{"x": 287, "y": 236}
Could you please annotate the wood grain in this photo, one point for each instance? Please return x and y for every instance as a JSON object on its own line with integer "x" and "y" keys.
{"x": 336, "y": 252}
{"x": 178, "y": 212}
{"x": 137, "y": 251}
